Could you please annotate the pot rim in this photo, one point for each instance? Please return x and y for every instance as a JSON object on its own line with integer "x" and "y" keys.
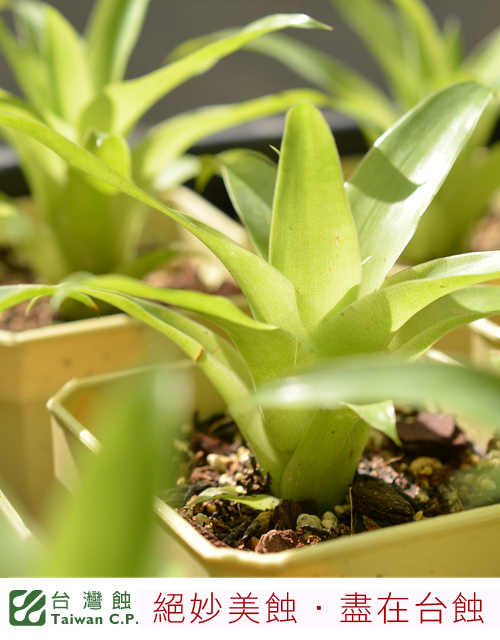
{"x": 105, "y": 323}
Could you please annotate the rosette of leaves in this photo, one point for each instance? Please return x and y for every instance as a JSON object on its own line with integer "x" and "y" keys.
{"x": 75, "y": 86}
{"x": 416, "y": 57}
{"x": 317, "y": 282}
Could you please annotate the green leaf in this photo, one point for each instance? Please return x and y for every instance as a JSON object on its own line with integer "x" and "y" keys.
{"x": 380, "y": 416}
{"x": 113, "y": 30}
{"x": 432, "y": 51}
{"x": 269, "y": 293}
{"x": 10, "y": 295}
{"x": 26, "y": 67}
{"x": 219, "y": 309}
{"x": 197, "y": 342}
{"x": 453, "y": 41}
{"x": 313, "y": 239}
{"x": 114, "y": 151}
{"x": 221, "y": 363}
{"x": 147, "y": 262}
{"x": 326, "y": 458}
{"x": 403, "y": 171}
{"x": 260, "y": 502}
{"x": 62, "y": 56}
{"x": 168, "y": 140}
{"x": 113, "y": 506}
{"x": 466, "y": 192}
{"x": 102, "y": 230}
{"x": 484, "y": 61}
{"x": 16, "y": 226}
{"x": 267, "y": 350}
{"x": 250, "y": 180}
{"x": 43, "y": 169}
{"x": 369, "y": 324}
{"x": 122, "y": 104}
{"x": 374, "y": 23}
{"x": 442, "y": 316}
{"x": 448, "y": 388}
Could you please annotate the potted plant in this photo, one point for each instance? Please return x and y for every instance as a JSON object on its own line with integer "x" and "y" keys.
{"x": 74, "y": 223}
{"x": 316, "y": 285}
{"x": 452, "y": 545}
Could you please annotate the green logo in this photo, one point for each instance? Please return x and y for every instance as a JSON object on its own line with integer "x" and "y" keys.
{"x": 27, "y": 608}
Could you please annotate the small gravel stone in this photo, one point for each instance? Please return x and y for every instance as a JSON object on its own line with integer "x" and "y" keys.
{"x": 226, "y": 481}
{"x": 421, "y": 496}
{"x": 260, "y": 524}
{"x": 329, "y": 520}
{"x": 218, "y": 462}
{"x": 202, "y": 519}
{"x": 425, "y": 466}
{"x": 342, "y": 509}
{"x": 242, "y": 454}
{"x": 305, "y": 519}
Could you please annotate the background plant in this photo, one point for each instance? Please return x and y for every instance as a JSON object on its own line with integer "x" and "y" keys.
{"x": 416, "y": 57}
{"x": 317, "y": 283}
{"x": 75, "y": 85}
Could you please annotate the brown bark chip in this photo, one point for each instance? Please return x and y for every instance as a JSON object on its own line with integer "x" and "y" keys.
{"x": 274, "y": 541}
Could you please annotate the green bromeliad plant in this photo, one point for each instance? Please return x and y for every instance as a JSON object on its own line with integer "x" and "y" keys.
{"x": 75, "y": 86}
{"x": 416, "y": 58}
{"x": 317, "y": 282}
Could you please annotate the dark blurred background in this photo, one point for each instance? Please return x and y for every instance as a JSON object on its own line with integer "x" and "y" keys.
{"x": 244, "y": 75}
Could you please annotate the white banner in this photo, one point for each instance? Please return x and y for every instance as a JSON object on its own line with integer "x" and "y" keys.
{"x": 135, "y": 608}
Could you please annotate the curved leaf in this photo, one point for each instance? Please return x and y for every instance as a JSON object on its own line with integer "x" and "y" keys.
{"x": 216, "y": 358}
{"x": 263, "y": 285}
{"x": 402, "y": 172}
{"x": 369, "y": 323}
{"x": 448, "y": 388}
{"x": 267, "y": 350}
{"x": 442, "y": 316}
{"x": 121, "y": 104}
{"x": 10, "y": 295}
{"x": 380, "y": 416}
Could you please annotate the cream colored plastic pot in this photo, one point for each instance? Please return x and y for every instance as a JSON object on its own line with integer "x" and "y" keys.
{"x": 461, "y": 544}
{"x": 35, "y": 364}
